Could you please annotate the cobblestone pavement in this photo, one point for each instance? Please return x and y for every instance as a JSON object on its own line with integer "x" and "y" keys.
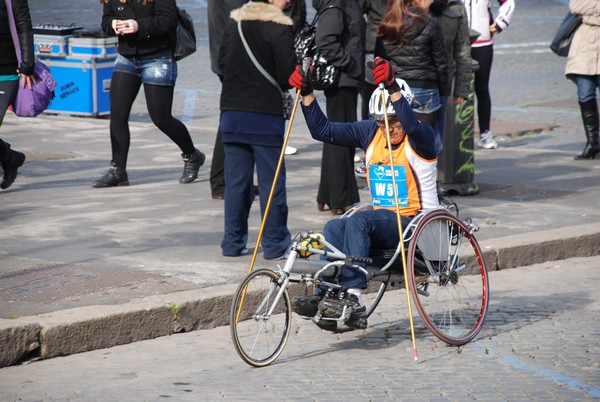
{"x": 539, "y": 343}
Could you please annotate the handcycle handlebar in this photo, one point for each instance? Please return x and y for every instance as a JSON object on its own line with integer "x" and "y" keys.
{"x": 352, "y": 258}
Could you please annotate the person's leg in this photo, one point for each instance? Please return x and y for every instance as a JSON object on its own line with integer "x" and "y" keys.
{"x": 338, "y": 187}
{"x": 159, "y": 100}
{"x": 364, "y": 229}
{"x": 8, "y": 94}
{"x": 484, "y": 56}
{"x": 276, "y": 236}
{"x": 124, "y": 87}
{"x": 10, "y": 159}
{"x": 239, "y": 172}
{"x": 586, "y": 94}
{"x": 217, "y": 168}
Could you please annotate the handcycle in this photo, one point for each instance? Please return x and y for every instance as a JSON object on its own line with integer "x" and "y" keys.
{"x": 446, "y": 275}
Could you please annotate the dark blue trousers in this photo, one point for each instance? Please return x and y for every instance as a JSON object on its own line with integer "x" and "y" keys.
{"x": 359, "y": 233}
{"x": 240, "y": 160}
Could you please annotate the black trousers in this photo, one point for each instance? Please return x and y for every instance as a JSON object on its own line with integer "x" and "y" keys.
{"x": 338, "y": 187}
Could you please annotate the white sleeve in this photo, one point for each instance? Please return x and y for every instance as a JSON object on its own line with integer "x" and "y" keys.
{"x": 505, "y": 13}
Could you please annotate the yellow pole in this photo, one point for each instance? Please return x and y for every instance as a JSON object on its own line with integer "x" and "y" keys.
{"x": 399, "y": 219}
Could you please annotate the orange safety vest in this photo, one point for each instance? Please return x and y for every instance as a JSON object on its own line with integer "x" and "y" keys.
{"x": 417, "y": 183}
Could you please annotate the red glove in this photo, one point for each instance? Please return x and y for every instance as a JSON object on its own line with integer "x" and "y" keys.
{"x": 382, "y": 72}
{"x": 301, "y": 81}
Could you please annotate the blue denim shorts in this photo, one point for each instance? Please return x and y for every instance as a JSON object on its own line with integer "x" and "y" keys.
{"x": 161, "y": 71}
{"x": 426, "y": 100}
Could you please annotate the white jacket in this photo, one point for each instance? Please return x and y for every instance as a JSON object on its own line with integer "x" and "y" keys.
{"x": 479, "y": 13}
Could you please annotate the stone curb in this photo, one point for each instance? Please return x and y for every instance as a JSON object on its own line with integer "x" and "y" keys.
{"x": 96, "y": 327}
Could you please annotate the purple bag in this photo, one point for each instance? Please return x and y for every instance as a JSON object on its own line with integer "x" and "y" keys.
{"x": 31, "y": 102}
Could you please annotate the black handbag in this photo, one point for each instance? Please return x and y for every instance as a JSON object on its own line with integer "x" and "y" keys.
{"x": 185, "y": 42}
{"x": 564, "y": 36}
{"x": 324, "y": 74}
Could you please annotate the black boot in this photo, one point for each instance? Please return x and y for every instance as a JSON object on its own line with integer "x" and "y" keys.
{"x": 116, "y": 176}
{"x": 11, "y": 161}
{"x": 589, "y": 114}
{"x": 191, "y": 164}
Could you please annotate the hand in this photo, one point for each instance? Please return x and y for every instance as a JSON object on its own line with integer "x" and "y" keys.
{"x": 27, "y": 80}
{"x": 383, "y": 73}
{"x": 125, "y": 27}
{"x": 301, "y": 81}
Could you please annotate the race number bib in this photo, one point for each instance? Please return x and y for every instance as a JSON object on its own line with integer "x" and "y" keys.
{"x": 381, "y": 185}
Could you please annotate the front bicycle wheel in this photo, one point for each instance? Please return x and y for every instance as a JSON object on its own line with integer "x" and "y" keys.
{"x": 448, "y": 278}
{"x": 260, "y": 319}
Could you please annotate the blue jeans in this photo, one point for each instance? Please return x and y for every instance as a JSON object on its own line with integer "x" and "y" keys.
{"x": 359, "y": 233}
{"x": 426, "y": 100}
{"x": 586, "y": 87}
{"x": 161, "y": 71}
{"x": 239, "y": 172}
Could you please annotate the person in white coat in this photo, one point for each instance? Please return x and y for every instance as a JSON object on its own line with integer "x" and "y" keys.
{"x": 583, "y": 68}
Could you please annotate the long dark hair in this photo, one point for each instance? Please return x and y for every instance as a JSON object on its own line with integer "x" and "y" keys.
{"x": 393, "y": 22}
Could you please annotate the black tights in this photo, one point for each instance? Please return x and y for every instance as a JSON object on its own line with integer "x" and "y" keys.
{"x": 124, "y": 88}
{"x": 484, "y": 55}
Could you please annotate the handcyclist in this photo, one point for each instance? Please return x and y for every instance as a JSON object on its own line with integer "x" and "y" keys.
{"x": 415, "y": 154}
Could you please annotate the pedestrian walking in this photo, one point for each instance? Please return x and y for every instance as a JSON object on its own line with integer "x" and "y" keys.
{"x": 583, "y": 68}
{"x": 146, "y": 31}
{"x": 11, "y": 76}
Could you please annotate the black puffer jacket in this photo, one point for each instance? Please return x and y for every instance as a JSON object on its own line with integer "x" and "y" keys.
{"x": 455, "y": 27}
{"x": 340, "y": 37}
{"x": 157, "y": 24}
{"x": 8, "y": 58}
{"x": 269, "y": 34}
{"x": 422, "y": 61}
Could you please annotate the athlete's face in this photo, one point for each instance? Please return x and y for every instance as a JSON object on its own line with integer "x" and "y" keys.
{"x": 397, "y": 133}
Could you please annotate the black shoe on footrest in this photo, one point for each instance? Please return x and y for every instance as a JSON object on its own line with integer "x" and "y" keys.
{"x": 306, "y": 306}
{"x": 333, "y": 308}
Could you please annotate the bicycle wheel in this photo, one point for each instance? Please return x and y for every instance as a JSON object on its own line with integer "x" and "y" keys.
{"x": 373, "y": 295}
{"x": 448, "y": 278}
{"x": 259, "y": 337}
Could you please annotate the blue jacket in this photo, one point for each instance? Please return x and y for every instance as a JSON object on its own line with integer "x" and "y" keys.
{"x": 360, "y": 134}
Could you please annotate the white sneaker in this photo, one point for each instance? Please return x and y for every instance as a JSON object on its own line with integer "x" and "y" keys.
{"x": 486, "y": 140}
{"x": 290, "y": 150}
